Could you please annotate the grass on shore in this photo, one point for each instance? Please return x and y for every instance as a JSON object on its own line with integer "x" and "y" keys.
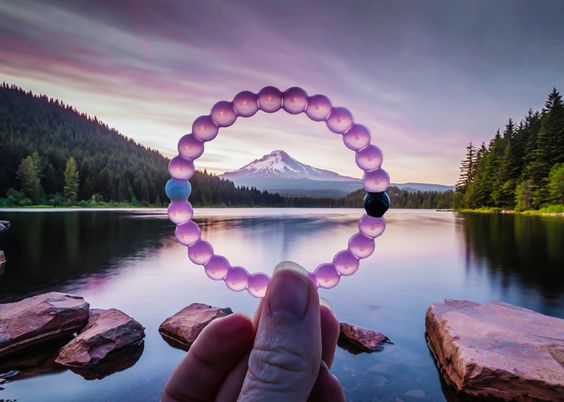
{"x": 549, "y": 210}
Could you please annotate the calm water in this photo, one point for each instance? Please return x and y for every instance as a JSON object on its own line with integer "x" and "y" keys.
{"x": 131, "y": 261}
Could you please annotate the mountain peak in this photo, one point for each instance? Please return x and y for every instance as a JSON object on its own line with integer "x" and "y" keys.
{"x": 280, "y": 164}
{"x": 278, "y": 152}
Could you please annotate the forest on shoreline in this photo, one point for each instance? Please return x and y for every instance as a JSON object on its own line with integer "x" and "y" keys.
{"x": 55, "y": 156}
{"x": 521, "y": 168}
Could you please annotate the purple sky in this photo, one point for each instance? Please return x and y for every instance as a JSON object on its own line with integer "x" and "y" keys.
{"x": 425, "y": 77}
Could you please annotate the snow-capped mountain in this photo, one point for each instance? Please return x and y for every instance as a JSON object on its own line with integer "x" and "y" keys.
{"x": 279, "y": 164}
{"x": 278, "y": 172}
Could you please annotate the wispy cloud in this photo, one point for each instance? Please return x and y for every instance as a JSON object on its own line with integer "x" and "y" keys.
{"x": 424, "y": 77}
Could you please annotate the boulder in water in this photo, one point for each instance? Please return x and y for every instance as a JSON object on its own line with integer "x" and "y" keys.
{"x": 182, "y": 329}
{"x": 39, "y": 320}
{"x": 498, "y": 351}
{"x": 107, "y": 332}
{"x": 364, "y": 339}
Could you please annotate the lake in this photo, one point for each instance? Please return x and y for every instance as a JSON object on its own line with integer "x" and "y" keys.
{"x": 130, "y": 260}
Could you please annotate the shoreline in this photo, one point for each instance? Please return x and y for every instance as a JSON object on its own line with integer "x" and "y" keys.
{"x": 499, "y": 211}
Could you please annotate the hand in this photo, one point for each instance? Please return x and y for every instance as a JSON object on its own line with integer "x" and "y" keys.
{"x": 284, "y": 354}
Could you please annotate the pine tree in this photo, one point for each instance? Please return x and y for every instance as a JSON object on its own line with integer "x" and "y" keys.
{"x": 466, "y": 168}
{"x": 548, "y": 147}
{"x": 70, "y": 190}
{"x": 29, "y": 176}
{"x": 504, "y": 186}
{"x": 555, "y": 185}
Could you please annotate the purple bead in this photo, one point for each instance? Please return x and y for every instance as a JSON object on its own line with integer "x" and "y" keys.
{"x": 376, "y": 181}
{"x": 200, "y": 252}
{"x": 294, "y": 100}
{"x": 369, "y": 158}
{"x": 180, "y": 212}
{"x": 371, "y": 226}
{"x": 222, "y": 114}
{"x": 327, "y": 276}
{"x": 180, "y": 168}
{"x": 340, "y": 120}
{"x": 188, "y": 233}
{"x": 245, "y": 104}
{"x": 216, "y": 268}
{"x": 190, "y": 148}
{"x": 357, "y": 137}
{"x": 237, "y": 278}
{"x": 269, "y": 99}
{"x": 361, "y": 246}
{"x": 204, "y": 129}
{"x": 257, "y": 284}
{"x": 318, "y": 107}
{"x": 346, "y": 263}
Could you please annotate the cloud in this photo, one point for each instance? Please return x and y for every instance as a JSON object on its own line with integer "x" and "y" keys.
{"x": 425, "y": 79}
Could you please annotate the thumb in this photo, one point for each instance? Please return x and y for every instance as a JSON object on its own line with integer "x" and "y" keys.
{"x": 286, "y": 356}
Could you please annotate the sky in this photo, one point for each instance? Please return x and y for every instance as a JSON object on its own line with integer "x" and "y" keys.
{"x": 426, "y": 77}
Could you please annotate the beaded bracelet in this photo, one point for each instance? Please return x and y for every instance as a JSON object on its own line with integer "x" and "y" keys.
{"x": 294, "y": 101}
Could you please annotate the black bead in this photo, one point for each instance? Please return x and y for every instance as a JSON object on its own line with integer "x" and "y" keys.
{"x": 376, "y": 204}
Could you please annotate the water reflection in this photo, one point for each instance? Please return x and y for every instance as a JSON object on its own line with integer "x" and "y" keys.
{"x": 516, "y": 251}
{"x": 117, "y": 361}
{"x": 131, "y": 261}
{"x": 49, "y": 248}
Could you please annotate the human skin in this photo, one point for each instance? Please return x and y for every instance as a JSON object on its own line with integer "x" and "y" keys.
{"x": 283, "y": 354}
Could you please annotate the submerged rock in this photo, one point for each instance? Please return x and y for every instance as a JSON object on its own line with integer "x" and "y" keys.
{"x": 182, "y": 329}
{"x": 497, "y": 350}
{"x": 364, "y": 339}
{"x": 39, "y": 320}
{"x": 107, "y": 332}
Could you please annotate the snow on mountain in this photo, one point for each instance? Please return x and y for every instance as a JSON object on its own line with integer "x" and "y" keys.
{"x": 279, "y": 164}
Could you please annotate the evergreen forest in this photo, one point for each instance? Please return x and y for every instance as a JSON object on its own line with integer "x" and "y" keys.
{"x": 521, "y": 168}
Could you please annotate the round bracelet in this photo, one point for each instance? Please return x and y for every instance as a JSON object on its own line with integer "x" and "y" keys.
{"x": 294, "y": 101}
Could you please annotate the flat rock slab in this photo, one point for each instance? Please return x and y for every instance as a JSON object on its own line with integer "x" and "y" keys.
{"x": 182, "y": 329}
{"x": 364, "y": 339}
{"x": 497, "y": 350}
{"x": 107, "y": 332}
{"x": 39, "y": 320}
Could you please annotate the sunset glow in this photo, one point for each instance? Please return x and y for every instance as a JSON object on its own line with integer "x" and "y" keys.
{"x": 425, "y": 78}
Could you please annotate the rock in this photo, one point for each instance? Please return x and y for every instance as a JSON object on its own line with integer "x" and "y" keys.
{"x": 107, "y": 332}
{"x": 182, "y": 329}
{"x": 5, "y": 225}
{"x": 497, "y": 350}
{"x": 2, "y": 257}
{"x": 40, "y": 319}
{"x": 364, "y": 339}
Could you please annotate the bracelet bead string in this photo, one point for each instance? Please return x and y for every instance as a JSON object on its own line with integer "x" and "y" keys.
{"x": 294, "y": 100}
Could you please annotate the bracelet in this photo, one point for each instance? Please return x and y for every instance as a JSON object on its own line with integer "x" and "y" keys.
{"x": 294, "y": 101}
